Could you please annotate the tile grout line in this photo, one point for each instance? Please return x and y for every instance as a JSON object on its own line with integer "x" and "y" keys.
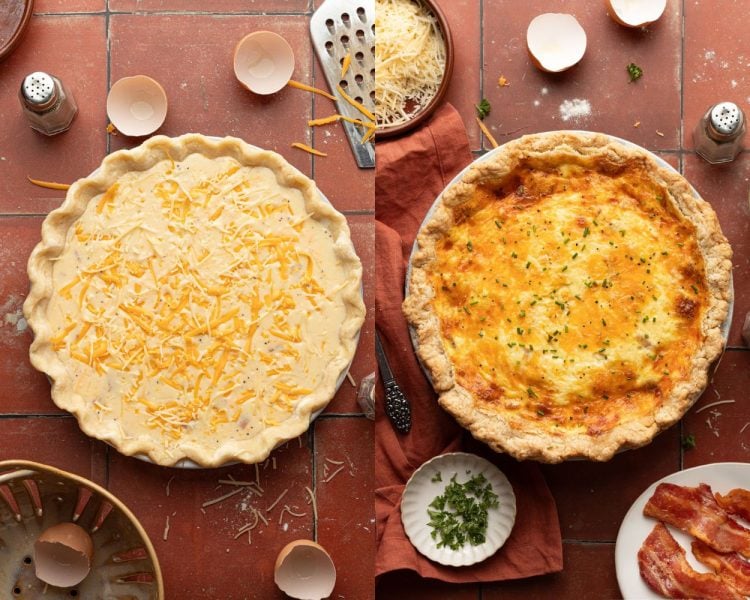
{"x": 682, "y": 81}
{"x": 314, "y": 473}
{"x": 481, "y": 71}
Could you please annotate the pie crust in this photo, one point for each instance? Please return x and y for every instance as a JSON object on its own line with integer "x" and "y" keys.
{"x": 194, "y": 299}
{"x": 567, "y": 297}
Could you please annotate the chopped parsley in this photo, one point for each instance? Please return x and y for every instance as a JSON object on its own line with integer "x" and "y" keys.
{"x": 437, "y": 477}
{"x": 688, "y": 442}
{"x": 634, "y": 72}
{"x": 461, "y": 513}
{"x": 470, "y": 246}
{"x": 483, "y": 108}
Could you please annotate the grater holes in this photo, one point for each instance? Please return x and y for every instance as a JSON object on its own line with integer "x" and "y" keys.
{"x": 372, "y": 95}
{"x": 361, "y": 14}
{"x": 346, "y": 19}
{"x": 360, "y": 35}
{"x": 359, "y": 79}
{"x": 358, "y": 99}
{"x": 329, "y": 25}
{"x": 359, "y": 56}
{"x": 344, "y": 84}
{"x": 345, "y": 40}
{"x": 372, "y": 73}
{"x": 329, "y": 47}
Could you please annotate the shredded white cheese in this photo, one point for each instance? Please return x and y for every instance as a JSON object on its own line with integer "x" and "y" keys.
{"x": 702, "y": 408}
{"x": 409, "y": 59}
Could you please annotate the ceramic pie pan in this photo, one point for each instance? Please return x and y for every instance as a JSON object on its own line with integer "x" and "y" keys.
{"x": 635, "y": 527}
{"x": 34, "y": 497}
{"x": 189, "y": 464}
{"x": 421, "y": 115}
{"x": 14, "y": 17}
{"x": 727, "y": 325}
{"x": 661, "y": 162}
{"x": 423, "y": 487}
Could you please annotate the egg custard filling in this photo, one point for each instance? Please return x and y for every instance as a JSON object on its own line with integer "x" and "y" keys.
{"x": 568, "y": 296}
{"x": 195, "y": 299}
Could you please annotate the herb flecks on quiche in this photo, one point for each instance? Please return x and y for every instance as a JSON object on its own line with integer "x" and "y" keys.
{"x": 194, "y": 299}
{"x": 568, "y": 296}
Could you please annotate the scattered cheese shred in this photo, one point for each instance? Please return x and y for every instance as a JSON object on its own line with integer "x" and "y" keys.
{"x": 332, "y": 475}
{"x": 165, "y": 535}
{"x": 307, "y": 148}
{"x": 313, "y": 502}
{"x": 717, "y": 403}
{"x": 345, "y": 64}
{"x": 351, "y": 379}
{"x": 309, "y": 88}
{"x": 409, "y": 59}
{"x": 486, "y": 133}
{"x": 168, "y": 484}
{"x": 358, "y": 105}
{"x": 502, "y": 81}
{"x": 324, "y": 121}
{"x": 50, "y": 185}
{"x": 221, "y": 498}
{"x": 284, "y": 493}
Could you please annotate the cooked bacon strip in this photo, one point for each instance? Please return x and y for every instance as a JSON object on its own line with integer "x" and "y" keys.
{"x": 731, "y": 568}
{"x": 736, "y": 502}
{"x": 695, "y": 511}
{"x": 662, "y": 563}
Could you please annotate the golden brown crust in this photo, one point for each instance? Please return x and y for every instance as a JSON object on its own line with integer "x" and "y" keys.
{"x": 528, "y": 439}
{"x": 54, "y": 232}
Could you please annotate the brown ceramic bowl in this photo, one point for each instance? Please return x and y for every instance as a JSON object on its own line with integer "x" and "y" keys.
{"x": 14, "y": 17}
{"x": 33, "y": 497}
{"x": 422, "y": 115}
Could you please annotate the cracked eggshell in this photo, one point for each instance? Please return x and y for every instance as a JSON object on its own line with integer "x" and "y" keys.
{"x": 62, "y": 555}
{"x": 137, "y": 105}
{"x": 635, "y": 13}
{"x": 263, "y": 62}
{"x": 304, "y": 570}
{"x": 555, "y": 41}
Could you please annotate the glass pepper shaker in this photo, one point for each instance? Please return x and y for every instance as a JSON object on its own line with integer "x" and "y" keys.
{"x": 718, "y": 135}
{"x": 47, "y": 103}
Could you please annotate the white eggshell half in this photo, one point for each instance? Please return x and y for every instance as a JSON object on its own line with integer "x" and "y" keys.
{"x": 636, "y": 13}
{"x": 62, "y": 555}
{"x": 305, "y": 571}
{"x": 555, "y": 41}
{"x": 137, "y": 105}
{"x": 263, "y": 62}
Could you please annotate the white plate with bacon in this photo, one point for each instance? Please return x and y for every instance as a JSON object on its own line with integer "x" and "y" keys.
{"x": 710, "y": 514}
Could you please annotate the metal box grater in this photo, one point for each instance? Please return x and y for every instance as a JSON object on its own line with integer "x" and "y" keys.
{"x": 338, "y": 27}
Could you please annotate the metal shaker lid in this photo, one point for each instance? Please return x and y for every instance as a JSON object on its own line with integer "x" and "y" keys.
{"x": 39, "y": 90}
{"x": 727, "y": 118}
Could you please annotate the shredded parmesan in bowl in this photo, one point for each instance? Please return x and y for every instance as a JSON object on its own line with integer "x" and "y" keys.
{"x": 410, "y": 58}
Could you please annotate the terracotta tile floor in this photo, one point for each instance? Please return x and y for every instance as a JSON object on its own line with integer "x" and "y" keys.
{"x": 683, "y": 75}
{"x": 188, "y": 47}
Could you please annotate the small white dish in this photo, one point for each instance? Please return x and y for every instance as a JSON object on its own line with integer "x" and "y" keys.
{"x": 635, "y": 527}
{"x": 137, "y": 105}
{"x": 263, "y": 62}
{"x": 421, "y": 490}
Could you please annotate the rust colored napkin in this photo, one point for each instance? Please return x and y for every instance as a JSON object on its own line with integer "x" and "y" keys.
{"x": 411, "y": 172}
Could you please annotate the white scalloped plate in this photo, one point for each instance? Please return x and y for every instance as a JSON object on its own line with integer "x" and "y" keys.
{"x": 635, "y": 527}
{"x": 420, "y": 490}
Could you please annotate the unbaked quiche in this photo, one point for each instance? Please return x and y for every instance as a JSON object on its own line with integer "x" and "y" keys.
{"x": 567, "y": 297}
{"x": 194, "y": 298}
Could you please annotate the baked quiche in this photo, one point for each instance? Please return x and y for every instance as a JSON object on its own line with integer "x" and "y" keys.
{"x": 194, "y": 299}
{"x": 567, "y": 297}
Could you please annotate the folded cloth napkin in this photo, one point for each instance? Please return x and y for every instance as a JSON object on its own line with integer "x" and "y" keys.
{"x": 411, "y": 172}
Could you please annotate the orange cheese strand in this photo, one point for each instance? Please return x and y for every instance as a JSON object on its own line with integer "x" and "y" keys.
{"x": 309, "y": 88}
{"x": 345, "y": 64}
{"x": 50, "y": 185}
{"x": 355, "y": 104}
{"x": 486, "y": 132}
{"x": 307, "y": 148}
{"x": 324, "y": 120}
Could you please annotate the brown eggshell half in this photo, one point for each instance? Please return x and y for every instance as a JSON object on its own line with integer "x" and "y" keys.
{"x": 304, "y": 570}
{"x": 62, "y": 555}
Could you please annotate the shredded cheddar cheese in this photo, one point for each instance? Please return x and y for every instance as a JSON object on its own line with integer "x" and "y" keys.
{"x": 195, "y": 300}
{"x": 308, "y": 149}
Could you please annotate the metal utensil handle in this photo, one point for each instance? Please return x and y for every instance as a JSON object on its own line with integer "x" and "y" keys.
{"x": 396, "y": 405}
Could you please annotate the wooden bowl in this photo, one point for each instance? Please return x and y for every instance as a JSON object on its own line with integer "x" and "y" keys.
{"x": 426, "y": 112}
{"x": 14, "y": 17}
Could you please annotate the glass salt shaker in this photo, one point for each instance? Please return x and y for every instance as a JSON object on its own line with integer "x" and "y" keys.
{"x": 47, "y": 103}
{"x": 718, "y": 135}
